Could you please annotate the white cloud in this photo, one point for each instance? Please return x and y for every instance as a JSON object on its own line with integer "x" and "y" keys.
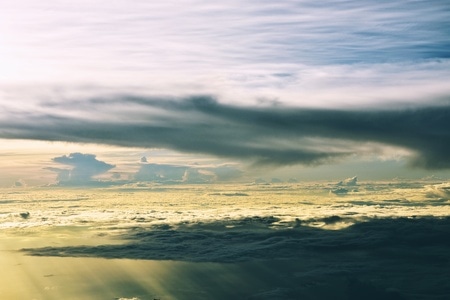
{"x": 353, "y": 52}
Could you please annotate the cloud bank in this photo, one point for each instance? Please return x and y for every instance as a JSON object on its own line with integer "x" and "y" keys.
{"x": 270, "y": 135}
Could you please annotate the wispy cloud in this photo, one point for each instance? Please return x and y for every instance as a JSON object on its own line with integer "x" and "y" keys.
{"x": 161, "y": 43}
{"x": 254, "y": 31}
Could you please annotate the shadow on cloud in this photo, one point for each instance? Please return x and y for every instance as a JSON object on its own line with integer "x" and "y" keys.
{"x": 392, "y": 259}
{"x": 422, "y": 240}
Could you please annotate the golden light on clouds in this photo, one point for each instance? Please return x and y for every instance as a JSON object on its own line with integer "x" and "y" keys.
{"x": 233, "y": 150}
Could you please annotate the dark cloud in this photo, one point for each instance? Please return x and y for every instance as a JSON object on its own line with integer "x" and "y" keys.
{"x": 363, "y": 261}
{"x": 370, "y": 255}
{"x": 266, "y": 135}
{"x": 256, "y": 237}
{"x": 85, "y": 166}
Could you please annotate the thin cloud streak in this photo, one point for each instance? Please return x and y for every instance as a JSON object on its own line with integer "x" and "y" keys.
{"x": 83, "y": 41}
{"x": 277, "y": 135}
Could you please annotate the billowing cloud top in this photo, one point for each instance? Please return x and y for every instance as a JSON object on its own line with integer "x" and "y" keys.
{"x": 85, "y": 166}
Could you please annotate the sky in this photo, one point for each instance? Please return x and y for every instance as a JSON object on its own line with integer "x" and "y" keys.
{"x": 102, "y": 92}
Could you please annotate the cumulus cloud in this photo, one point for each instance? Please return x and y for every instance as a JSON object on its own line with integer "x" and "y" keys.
{"x": 84, "y": 168}
{"x": 160, "y": 173}
{"x": 265, "y": 135}
{"x": 168, "y": 173}
{"x": 353, "y": 181}
{"x": 345, "y": 186}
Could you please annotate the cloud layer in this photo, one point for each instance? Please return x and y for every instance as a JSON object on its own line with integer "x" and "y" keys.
{"x": 173, "y": 37}
{"x": 295, "y": 51}
{"x": 253, "y": 238}
{"x": 276, "y": 135}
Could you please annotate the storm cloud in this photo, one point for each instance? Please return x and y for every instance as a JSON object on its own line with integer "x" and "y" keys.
{"x": 277, "y": 135}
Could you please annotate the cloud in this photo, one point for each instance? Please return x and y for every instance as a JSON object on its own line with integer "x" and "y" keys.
{"x": 225, "y": 172}
{"x": 197, "y": 176}
{"x": 279, "y": 135}
{"x": 441, "y": 191}
{"x": 353, "y": 181}
{"x": 341, "y": 187}
{"x": 339, "y": 191}
{"x": 160, "y": 173}
{"x": 19, "y": 183}
{"x": 364, "y": 261}
{"x": 422, "y": 240}
{"x": 282, "y": 55}
{"x": 346, "y": 52}
{"x": 232, "y": 33}
{"x": 168, "y": 173}
{"x": 85, "y": 167}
